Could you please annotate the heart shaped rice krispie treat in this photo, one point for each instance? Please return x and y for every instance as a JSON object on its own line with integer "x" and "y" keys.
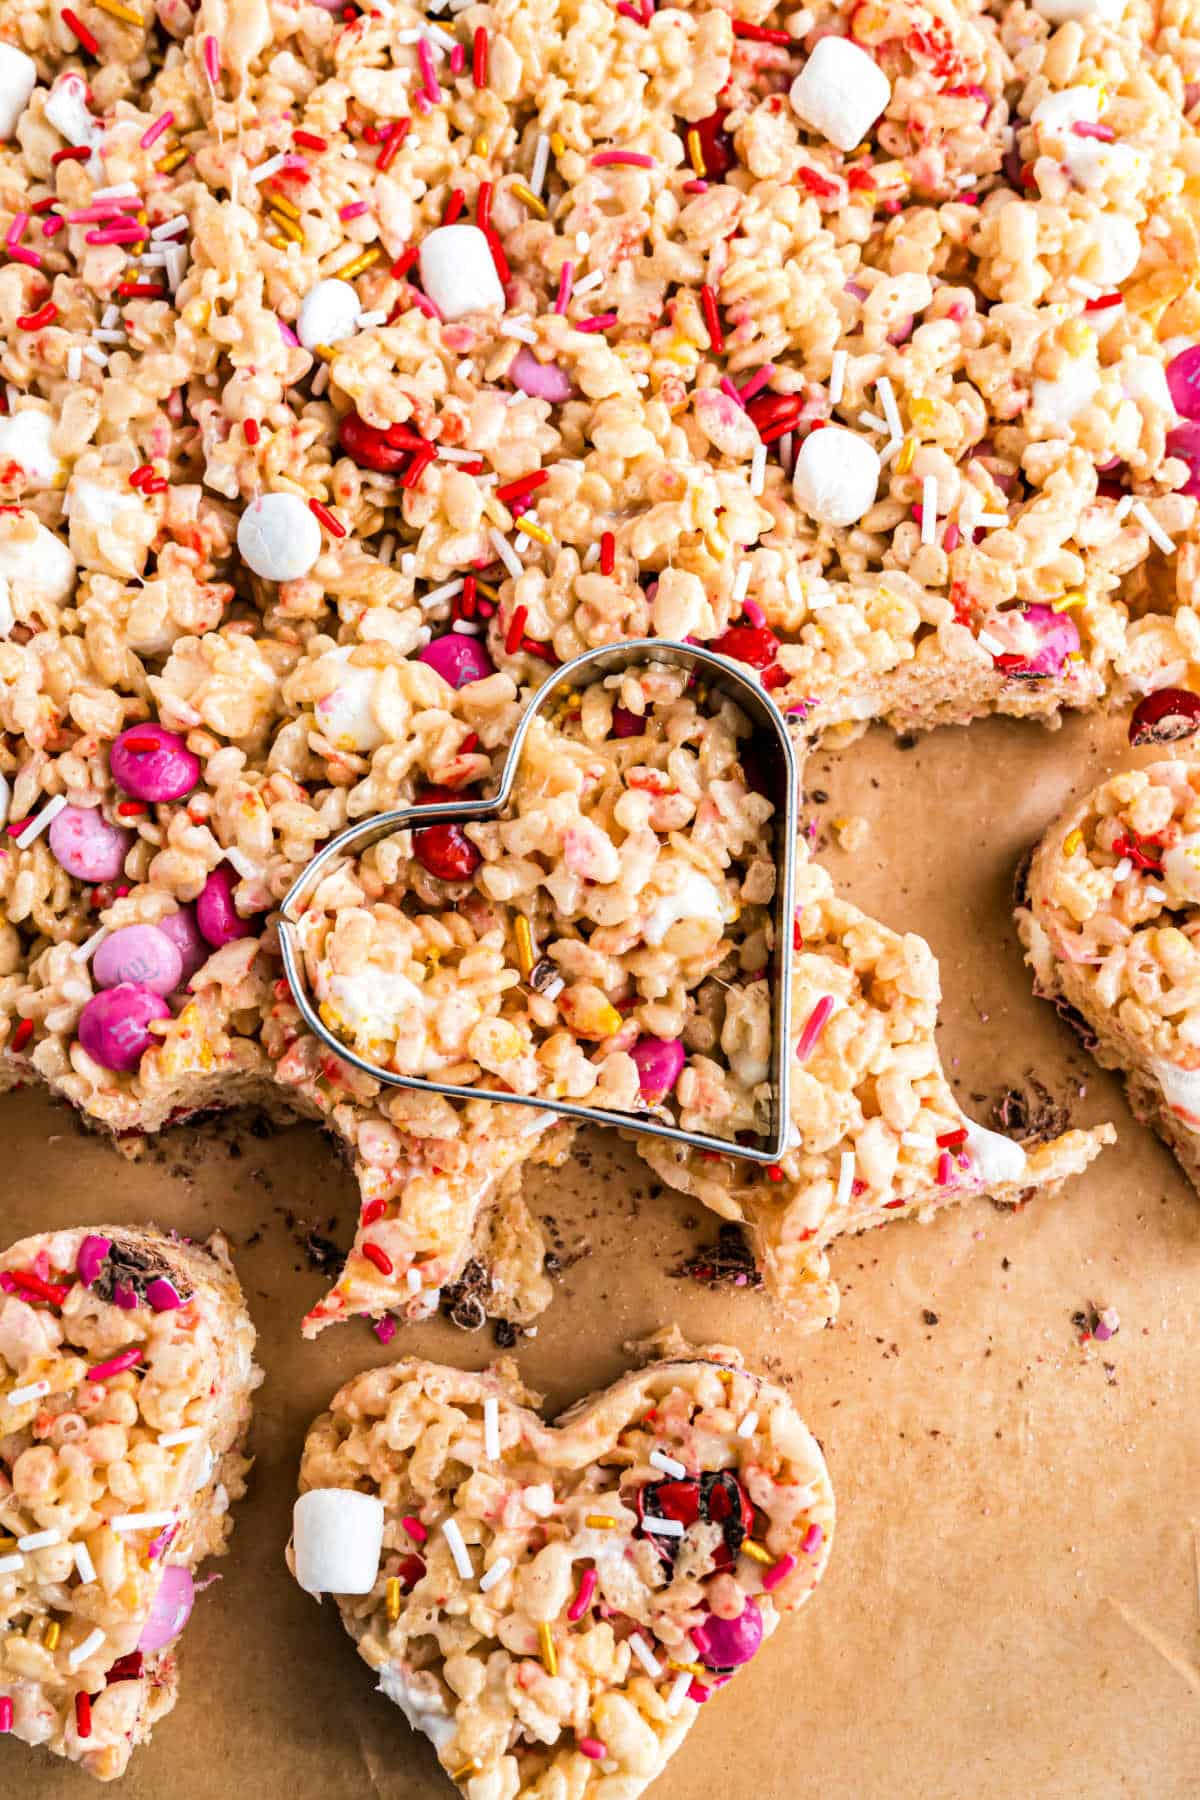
{"x": 1109, "y": 915}
{"x": 552, "y": 1604}
{"x": 126, "y": 1370}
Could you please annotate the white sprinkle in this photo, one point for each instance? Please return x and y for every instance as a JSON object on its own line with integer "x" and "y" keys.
{"x": 110, "y": 316}
{"x": 987, "y": 642}
{"x": 663, "y": 1527}
{"x": 916, "y": 1140}
{"x": 591, "y": 556}
{"x": 1155, "y": 895}
{"x": 169, "y": 228}
{"x": 541, "y": 162}
{"x": 33, "y": 1391}
{"x": 123, "y": 190}
{"x": 84, "y": 952}
{"x": 467, "y": 628}
{"x": 465, "y": 370}
{"x": 1123, "y": 506}
{"x": 320, "y": 381}
{"x": 367, "y": 319}
{"x": 645, "y": 1656}
{"x": 521, "y": 543}
{"x": 458, "y": 1549}
{"x": 40, "y": 1540}
{"x": 11, "y": 1565}
{"x": 40, "y": 821}
{"x": 74, "y": 363}
{"x": 845, "y": 1179}
{"x": 1123, "y": 870}
{"x": 872, "y": 422}
{"x": 553, "y": 988}
{"x": 267, "y": 169}
{"x": 85, "y": 1568}
{"x": 176, "y": 264}
{"x": 141, "y": 1521}
{"x": 891, "y": 411}
{"x": 786, "y": 447}
{"x": 497, "y": 1572}
{"x": 679, "y": 1691}
{"x": 94, "y": 355}
{"x": 837, "y": 376}
{"x": 154, "y": 259}
{"x": 387, "y": 548}
{"x": 889, "y": 450}
{"x": 795, "y": 592}
{"x": 929, "y": 497}
{"x": 748, "y": 1426}
{"x": 1151, "y": 526}
{"x": 105, "y": 336}
{"x": 441, "y": 38}
{"x": 741, "y": 581}
{"x": 583, "y": 242}
{"x": 491, "y": 1428}
{"x": 447, "y": 591}
{"x": 451, "y": 453}
{"x": 412, "y": 1280}
{"x": 504, "y": 551}
{"x": 1088, "y": 289}
{"x": 660, "y": 1460}
{"x": 996, "y": 521}
{"x": 590, "y": 282}
{"x": 518, "y": 329}
{"x": 188, "y": 1435}
{"x": 758, "y": 468}
{"x": 95, "y": 1640}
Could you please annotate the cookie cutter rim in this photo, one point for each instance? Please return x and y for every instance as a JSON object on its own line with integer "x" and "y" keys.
{"x": 730, "y": 679}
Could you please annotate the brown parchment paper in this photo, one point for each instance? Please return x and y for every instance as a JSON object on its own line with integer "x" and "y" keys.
{"x": 1013, "y": 1605}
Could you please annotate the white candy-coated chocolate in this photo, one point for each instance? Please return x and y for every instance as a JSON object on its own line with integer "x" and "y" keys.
{"x": 18, "y": 78}
{"x": 994, "y": 1158}
{"x": 458, "y": 273}
{"x": 836, "y": 476}
{"x": 278, "y": 537}
{"x": 337, "y": 1537}
{"x": 840, "y": 92}
{"x": 25, "y": 440}
{"x": 329, "y": 312}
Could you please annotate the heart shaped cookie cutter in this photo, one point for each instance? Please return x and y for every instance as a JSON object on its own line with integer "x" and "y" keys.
{"x": 781, "y": 777}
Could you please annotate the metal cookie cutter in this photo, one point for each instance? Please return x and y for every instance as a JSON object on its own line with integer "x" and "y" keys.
{"x": 781, "y": 779}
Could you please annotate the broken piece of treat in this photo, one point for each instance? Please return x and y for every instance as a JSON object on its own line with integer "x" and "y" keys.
{"x": 126, "y": 1370}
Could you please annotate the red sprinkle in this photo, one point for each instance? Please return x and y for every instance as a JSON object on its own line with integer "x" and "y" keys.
{"x": 53, "y": 1292}
{"x": 416, "y": 1531}
{"x": 949, "y": 1140}
{"x": 379, "y": 1257}
{"x": 608, "y": 552}
{"x": 141, "y": 290}
{"x": 396, "y": 135}
{"x": 816, "y": 184}
{"x": 22, "y": 1035}
{"x": 83, "y": 1708}
{"x": 708, "y": 303}
{"x": 417, "y": 467}
{"x": 468, "y": 600}
{"x": 45, "y": 315}
{"x": 308, "y": 140}
{"x": 479, "y": 57}
{"x": 6, "y": 1714}
{"x": 322, "y": 513}
{"x": 583, "y": 1599}
{"x": 250, "y": 431}
{"x": 131, "y": 809}
{"x": 814, "y": 1026}
{"x": 116, "y": 1365}
{"x": 1102, "y": 302}
{"x": 77, "y": 152}
{"x": 74, "y": 23}
{"x": 454, "y": 207}
{"x": 524, "y": 484}
{"x": 483, "y": 206}
{"x": 373, "y": 1211}
{"x": 760, "y": 34}
{"x": 516, "y": 631}
{"x": 499, "y": 258}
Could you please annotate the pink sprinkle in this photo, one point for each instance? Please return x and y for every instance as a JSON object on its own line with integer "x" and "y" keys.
{"x": 630, "y": 159}
{"x": 153, "y": 132}
{"x": 583, "y": 1599}
{"x": 757, "y": 381}
{"x": 699, "y": 1693}
{"x": 781, "y": 1570}
{"x": 116, "y": 1365}
{"x": 21, "y": 255}
{"x": 6, "y": 1714}
{"x": 128, "y": 232}
{"x": 945, "y": 1168}
{"x": 594, "y": 1748}
{"x": 415, "y": 1529}
{"x": 104, "y": 212}
{"x": 355, "y": 210}
{"x": 423, "y": 303}
{"x": 422, "y": 102}
{"x": 458, "y": 59}
{"x": 385, "y": 1330}
{"x": 566, "y": 282}
{"x": 286, "y": 333}
{"x": 727, "y": 387}
{"x": 752, "y": 611}
{"x": 212, "y": 59}
{"x": 950, "y": 537}
{"x": 812, "y": 1540}
{"x": 17, "y": 229}
{"x": 425, "y": 58}
{"x": 1086, "y": 128}
{"x": 695, "y": 187}
{"x": 630, "y": 12}
{"x": 601, "y": 322}
{"x": 813, "y": 1028}
{"x": 53, "y": 225}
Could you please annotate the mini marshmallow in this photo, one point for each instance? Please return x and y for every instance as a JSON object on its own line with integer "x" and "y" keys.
{"x": 457, "y": 272}
{"x": 1067, "y": 396}
{"x": 329, "y": 312}
{"x": 1142, "y": 378}
{"x": 1116, "y": 250}
{"x": 37, "y": 562}
{"x": 25, "y": 440}
{"x": 278, "y": 537}
{"x": 840, "y": 92}
{"x": 1059, "y": 111}
{"x": 344, "y": 715}
{"x": 337, "y": 1537}
{"x": 92, "y": 503}
{"x": 996, "y": 1160}
{"x": 1059, "y": 11}
{"x": 67, "y": 110}
{"x": 18, "y": 78}
{"x": 836, "y": 475}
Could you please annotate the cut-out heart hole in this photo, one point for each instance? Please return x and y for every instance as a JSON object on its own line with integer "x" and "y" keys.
{"x": 553, "y": 1604}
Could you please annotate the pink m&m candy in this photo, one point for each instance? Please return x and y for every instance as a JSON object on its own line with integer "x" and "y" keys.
{"x": 87, "y": 845}
{"x": 458, "y": 658}
{"x": 153, "y": 764}
{"x": 217, "y": 916}
{"x": 114, "y": 1025}
{"x": 1183, "y": 379}
{"x": 184, "y": 933}
{"x": 140, "y": 954}
{"x": 1184, "y": 442}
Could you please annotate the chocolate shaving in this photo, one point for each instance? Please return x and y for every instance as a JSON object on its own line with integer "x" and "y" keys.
{"x": 1031, "y": 1115}
{"x": 464, "y": 1302}
{"x": 323, "y": 1254}
{"x": 1075, "y": 1019}
{"x": 729, "y": 1261}
{"x": 128, "y": 1267}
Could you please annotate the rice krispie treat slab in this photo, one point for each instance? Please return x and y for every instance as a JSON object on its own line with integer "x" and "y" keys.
{"x": 1109, "y": 916}
{"x": 552, "y": 1605}
{"x": 126, "y": 1369}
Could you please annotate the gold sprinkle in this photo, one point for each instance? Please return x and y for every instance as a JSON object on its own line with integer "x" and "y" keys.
{"x": 393, "y": 1598}
{"x": 276, "y": 242}
{"x": 482, "y": 147}
{"x": 277, "y": 203}
{"x": 696, "y": 152}
{"x": 524, "y": 936}
{"x": 755, "y": 1552}
{"x": 324, "y": 352}
{"x": 465, "y": 1772}
{"x": 1072, "y": 842}
{"x": 533, "y": 530}
{"x": 53, "y": 1630}
{"x": 531, "y": 200}
{"x": 486, "y": 588}
{"x": 288, "y": 227}
{"x": 360, "y": 263}
{"x": 1074, "y": 598}
{"x": 600, "y": 1522}
{"x": 171, "y": 160}
{"x": 116, "y": 11}
{"x": 546, "y": 1646}
{"x": 558, "y": 143}
{"x": 688, "y": 1668}
{"x": 904, "y": 460}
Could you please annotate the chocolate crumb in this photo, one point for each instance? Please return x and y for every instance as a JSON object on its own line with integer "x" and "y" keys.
{"x": 930, "y": 1318}
{"x": 464, "y": 1302}
{"x": 729, "y": 1261}
{"x": 323, "y": 1254}
{"x": 505, "y": 1333}
{"x": 1030, "y": 1114}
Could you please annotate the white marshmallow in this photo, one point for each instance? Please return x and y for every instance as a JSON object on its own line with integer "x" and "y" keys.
{"x": 696, "y": 897}
{"x": 344, "y": 716}
{"x": 1180, "y": 1090}
{"x": 67, "y": 111}
{"x": 420, "y": 1700}
{"x": 836, "y": 475}
{"x": 92, "y": 503}
{"x": 1058, "y": 112}
{"x": 337, "y": 1537}
{"x": 995, "y": 1159}
{"x": 18, "y": 78}
{"x": 373, "y": 1005}
{"x": 1061, "y": 400}
{"x": 1116, "y": 250}
{"x": 1144, "y": 378}
{"x": 1181, "y": 871}
{"x": 278, "y": 537}
{"x": 39, "y": 563}
{"x": 1058, "y": 11}
{"x": 329, "y": 312}
{"x": 25, "y": 440}
{"x": 457, "y": 272}
{"x": 840, "y": 92}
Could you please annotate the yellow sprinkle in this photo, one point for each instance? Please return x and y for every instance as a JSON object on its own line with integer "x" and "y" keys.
{"x": 1072, "y": 842}
{"x": 484, "y": 587}
{"x": 600, "y": 1522}
{"x": 688, "y": 1668}
{"x": 524, "y": 935}
{"x": 117, "y": 11}
{"x": 921, "y": 412}
{"x": 171, "y": 161}
{"x": 755, "y": 1552}
{"x": 276, "y": 242}
{"x": 288, "y": 226}
{"x": 546, "y": 1646}
{"x": 393, "y": 1598}
{"x": 323, "y": 351}
{"x": 53, "y": 1630}
{"x": 530, "y": 198}
{"x": 465, "y": 1772}
{"x": 360, "y": 263}
{"x": 1074, "y": 598}
{"x": 482, "y": 147}
{"x": 558, "y": 143}
{"x": 696, "y": 152}
{"x": 904, "y": 460}
{"x": 535, "y": 531}
{"x": 277, "y": 203}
